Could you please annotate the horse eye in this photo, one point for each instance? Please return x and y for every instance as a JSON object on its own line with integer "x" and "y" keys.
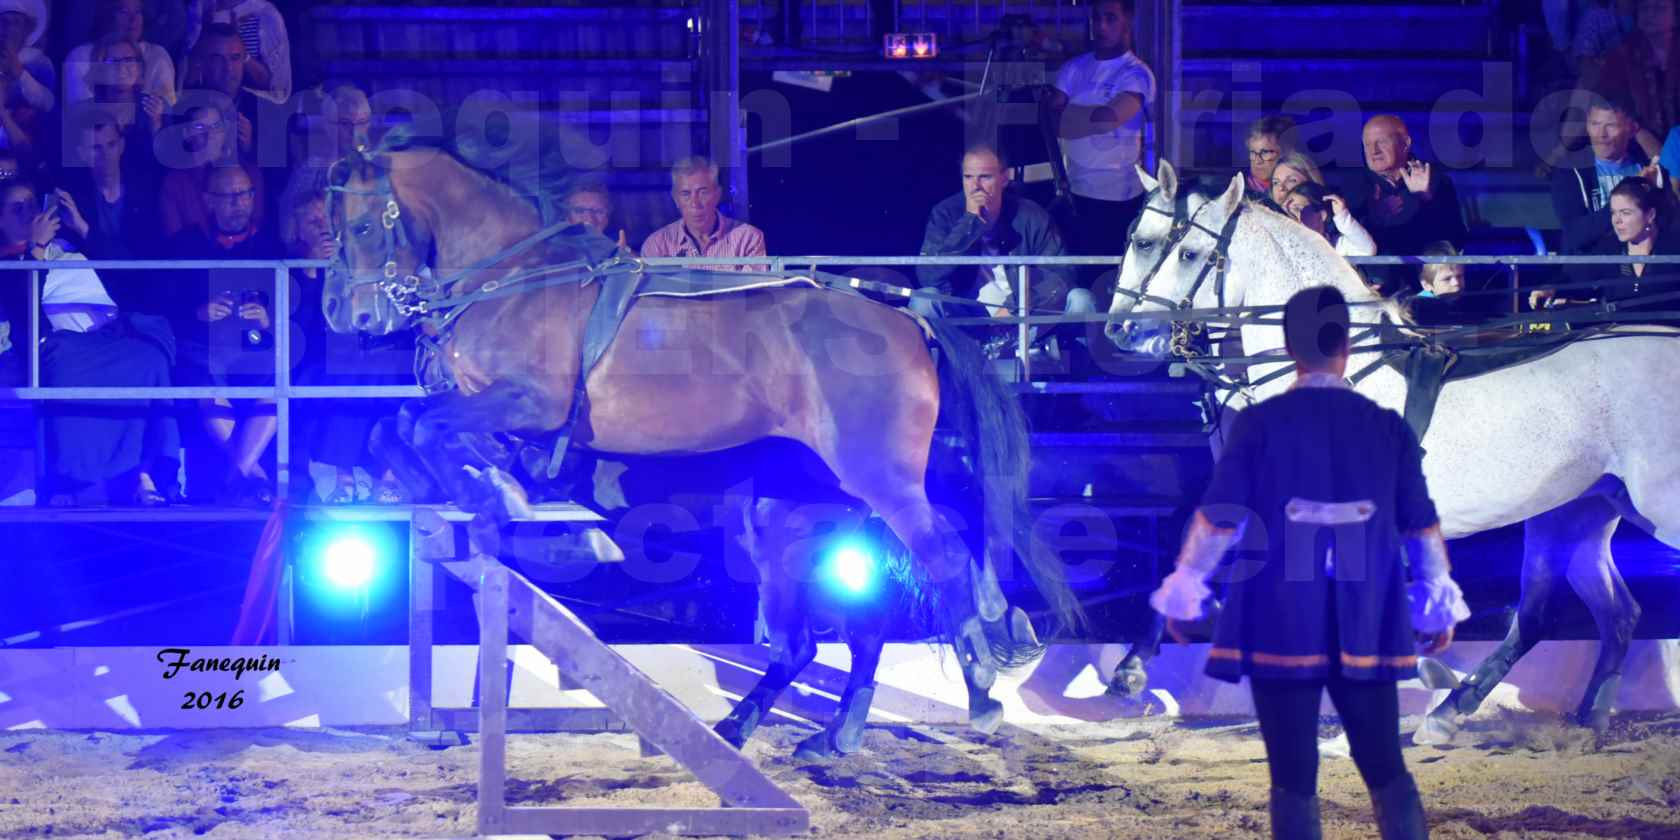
{"x": 363, "y": 229}
{"x": 1187, "y": 256}
{"x": 1143, "y": 244}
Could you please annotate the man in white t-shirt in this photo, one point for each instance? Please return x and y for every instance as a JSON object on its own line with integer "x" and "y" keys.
{"x": 1099, "y": 108}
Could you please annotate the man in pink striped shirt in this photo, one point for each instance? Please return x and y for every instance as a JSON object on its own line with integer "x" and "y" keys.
{"x": 703, "y": 231}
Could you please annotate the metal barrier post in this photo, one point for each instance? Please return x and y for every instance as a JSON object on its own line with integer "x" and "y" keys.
{"x": 281, "y": 321}
{"x": 1024, "y": 334}
{"x": 34, "y": 328}
{"x": 1516, "y": 290}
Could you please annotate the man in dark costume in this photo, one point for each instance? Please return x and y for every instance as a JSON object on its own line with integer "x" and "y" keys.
{"x": 1329, "y": 488}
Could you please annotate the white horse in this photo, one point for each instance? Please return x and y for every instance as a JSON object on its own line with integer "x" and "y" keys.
{"x": 1570, "y": 443}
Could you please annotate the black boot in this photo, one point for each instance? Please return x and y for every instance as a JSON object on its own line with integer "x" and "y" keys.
{"x": 1294, "y": 817}
{"x": 1399, "y": 810}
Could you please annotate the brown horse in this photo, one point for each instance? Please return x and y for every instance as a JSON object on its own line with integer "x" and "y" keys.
{"x": 852, "y": 380}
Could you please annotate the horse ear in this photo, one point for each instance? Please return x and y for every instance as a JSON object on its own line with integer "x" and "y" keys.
{"x": 1148, "y": 181}
{"x": 1168, "y": 178}
{"x": 1233, "y": 194}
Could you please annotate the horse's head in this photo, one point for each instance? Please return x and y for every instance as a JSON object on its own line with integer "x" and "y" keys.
{"x": 382, "y": 248}
{"x": 1175, "y": 259}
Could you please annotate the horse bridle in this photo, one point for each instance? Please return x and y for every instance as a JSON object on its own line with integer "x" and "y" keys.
{"x": 431, "y": 299}
{"x": 1184, "y": 334}
{"x": 408, "y": 294}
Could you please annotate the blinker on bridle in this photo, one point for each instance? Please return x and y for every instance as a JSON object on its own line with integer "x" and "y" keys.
{"x": 1185, "y": 334}
{"x": 406, "y": 293}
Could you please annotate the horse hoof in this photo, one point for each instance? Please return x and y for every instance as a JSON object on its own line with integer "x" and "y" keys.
{"x": 1021, "y": 628}
{"x": 1438, "y": 729}
{"x": 508, "y": 496}
{"x": 1597, "y": 721}
{"x": 730, "y": 732}
{"x": 1434, "y": 674}
{"x": 988, "y": 718}
{"x": 816, "y": 748}
{"x": 1129, "y": 681}
{"x": 975, "y": 654}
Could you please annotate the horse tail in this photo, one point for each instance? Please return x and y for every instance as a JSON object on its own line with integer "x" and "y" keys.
{"x": 990, "y": 435}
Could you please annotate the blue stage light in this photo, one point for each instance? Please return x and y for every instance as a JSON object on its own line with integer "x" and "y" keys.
{"x": 349, "y": 561}
{"x": 851, "y": 570}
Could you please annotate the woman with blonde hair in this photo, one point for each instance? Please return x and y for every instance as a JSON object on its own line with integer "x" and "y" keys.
{"x": 1291, "y": 171}
{"x": 117, "y": 79}
{"x": 125, "y": 20}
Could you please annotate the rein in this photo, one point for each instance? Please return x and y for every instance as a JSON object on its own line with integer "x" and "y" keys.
{"x": 1185, "y": 335}
{"x": 431, "y": 300}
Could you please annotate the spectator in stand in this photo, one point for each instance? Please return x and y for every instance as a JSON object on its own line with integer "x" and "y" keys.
{"x": 703, "y": 231}
{"x": 26, "y": 78}
{"x": 109, "y": 204}
{"x": 1646, "y": 69}
{"x": 215, "y": 75}
{"x": 1602, "y": 27}
{"x": 336, "y": 433}
{"x": 589, "y": 203}
{"x": 208, "y": 144}
{"x": 1404, "y": 202}
{"x": 84, "y": 21}
{"x": 352, "y": 120}
{"x": 131, "y": 447}
{"x": 225, "y": 329}
{"x": 1099, "y": 107}
{"x": 1581, "y": 196}
{"x": 118, "y": 72}
{"x": 1327, "y": 215}
{"x": 986, "y": 219}
{"x": 261, "y": 32}
{"x": 1441, "y": 301}
{"x": 1291, "y": 171}
{"x": 345, "y": 121}
{"x": 120, "y": 222}
{"x": 122, "y": 20}
{"x": 1270, "y": 139}
{"x": 1668, "y": 165}
{"x": 1638, "y": 215}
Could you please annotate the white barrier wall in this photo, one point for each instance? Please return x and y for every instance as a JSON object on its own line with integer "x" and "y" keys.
{"x": 126, "y": 688}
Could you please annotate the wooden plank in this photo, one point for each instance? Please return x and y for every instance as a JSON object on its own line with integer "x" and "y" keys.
{"x": 631, "y": 822}
{"x": 651, "y": 711}
{"x": 422, "y": 578}
{"x": 492, "y": 711}
{"x": 506, "y": 601}
{"x": 587, "y": 719}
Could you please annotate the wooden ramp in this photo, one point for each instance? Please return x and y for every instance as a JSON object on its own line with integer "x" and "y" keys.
{"x": 506, "y": 601}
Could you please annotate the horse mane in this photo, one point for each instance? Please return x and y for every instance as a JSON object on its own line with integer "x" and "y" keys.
{"x": 1313, "y": 261}
{"x": 403, "y": 139}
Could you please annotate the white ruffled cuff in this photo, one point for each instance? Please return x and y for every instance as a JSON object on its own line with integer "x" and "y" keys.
{"x": 1181, "y": 596}
{"x": 1437, "y": 604}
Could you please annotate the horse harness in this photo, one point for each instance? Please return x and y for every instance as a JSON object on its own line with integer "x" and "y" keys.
{"x": 432, "y": 303}
{"x": 1185, "y": 334}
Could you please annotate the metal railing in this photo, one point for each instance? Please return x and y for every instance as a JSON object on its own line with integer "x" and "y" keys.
{"x": 282, "y": 392}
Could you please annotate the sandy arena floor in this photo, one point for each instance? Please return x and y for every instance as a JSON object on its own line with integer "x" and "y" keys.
{"x": 1509, "y": 776}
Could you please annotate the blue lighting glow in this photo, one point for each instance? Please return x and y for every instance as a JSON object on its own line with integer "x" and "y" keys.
{"x": 349, "y": 561}
{"x": 850, "y": 570}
